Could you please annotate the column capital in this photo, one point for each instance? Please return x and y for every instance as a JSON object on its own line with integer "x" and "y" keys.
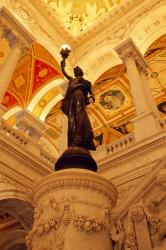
{"x": 14, "y": 31}
{"x": 127, "y": 50}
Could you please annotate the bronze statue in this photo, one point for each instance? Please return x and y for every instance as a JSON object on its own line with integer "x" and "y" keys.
{"x": 78, "y": 96}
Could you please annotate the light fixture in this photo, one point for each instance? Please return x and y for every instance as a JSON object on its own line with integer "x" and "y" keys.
{"x": 65, "y": 51}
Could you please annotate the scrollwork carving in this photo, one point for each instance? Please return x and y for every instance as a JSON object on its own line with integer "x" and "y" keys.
{"x": 117, "y": 234}
{"x": 130, "y": 242}
{"x": 137, "y": 213}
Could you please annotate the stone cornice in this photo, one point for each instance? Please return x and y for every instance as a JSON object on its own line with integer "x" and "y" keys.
{"x": 109, "y": 30}
{"x": 25, "y": 158}
{"x": 109, "y": 22}
{"x": 133, "y": 151}
{"x": 75, "y": 178}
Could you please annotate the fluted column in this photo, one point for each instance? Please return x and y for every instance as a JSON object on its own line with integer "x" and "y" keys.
{"x": 19, "y": 41}
{"x": 146, "y": 122}
{"x": 72, "y": 211}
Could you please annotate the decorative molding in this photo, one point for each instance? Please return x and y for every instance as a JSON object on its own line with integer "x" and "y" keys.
{"x": 100, "y": 30}
{"x": 6, "y": 180}
{"x": 14, "y": 31}
{"x": 16, "y": 136}
{"x": 134, "y": 200}
{"x": 132, "y": 152}
{"x": 26, "y": 159}
{"x": 75, "y": 179}
{"x": 128, "y": 50}
{"x": 11, "y": 188}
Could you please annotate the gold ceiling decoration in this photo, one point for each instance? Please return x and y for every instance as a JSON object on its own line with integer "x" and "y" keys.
{"x": 78, "y": 15}
{"x": 111, "y": 114}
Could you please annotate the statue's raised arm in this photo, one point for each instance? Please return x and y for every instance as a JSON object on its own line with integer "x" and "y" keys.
{"x": 63, "y": 64}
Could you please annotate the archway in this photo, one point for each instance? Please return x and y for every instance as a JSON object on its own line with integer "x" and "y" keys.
{"x": 16, "y": 219}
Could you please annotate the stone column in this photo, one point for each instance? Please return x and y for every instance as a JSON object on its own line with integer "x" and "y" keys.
{"x": 146, "y": 122}
{"x": 19, "y": 41}
{"x": 72, "y": 211}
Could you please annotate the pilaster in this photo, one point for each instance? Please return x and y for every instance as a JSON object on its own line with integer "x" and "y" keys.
{"x": 146, "y": 122}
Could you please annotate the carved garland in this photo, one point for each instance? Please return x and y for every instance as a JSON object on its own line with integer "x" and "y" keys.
{"x": 53, "y": 224}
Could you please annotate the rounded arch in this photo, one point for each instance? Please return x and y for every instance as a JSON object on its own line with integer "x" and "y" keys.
{"x": 49, "y": 106}
{"x": 11, "y": 112}
{"x": 147, "y": 29}
{"x": 35, "y": 100}
{"x": 98, "y": 61}
{"x": 10, "y": 189}
{"x": 9, "y": 240}
{"x": 21, "y": 210}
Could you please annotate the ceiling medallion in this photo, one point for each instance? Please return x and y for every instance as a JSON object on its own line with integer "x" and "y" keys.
{"x": 77, "y": 16}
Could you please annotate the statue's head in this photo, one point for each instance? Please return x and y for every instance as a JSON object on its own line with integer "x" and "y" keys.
{"x": 78, "y": 71}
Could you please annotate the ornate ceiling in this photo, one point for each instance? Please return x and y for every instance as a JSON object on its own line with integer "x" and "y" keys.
{"x": 113, "y": 110}
{"x": 34, "y": 71}
{"x": 77, "y": 16}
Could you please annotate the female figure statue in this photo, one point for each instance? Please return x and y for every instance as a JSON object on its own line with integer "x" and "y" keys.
{"x": 78, "y": 96}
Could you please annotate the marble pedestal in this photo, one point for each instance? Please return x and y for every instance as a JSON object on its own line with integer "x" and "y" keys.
{"x": 72, "y": 211}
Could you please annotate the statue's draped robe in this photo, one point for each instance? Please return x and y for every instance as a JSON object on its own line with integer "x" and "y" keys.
{"x": 80, "y": 132}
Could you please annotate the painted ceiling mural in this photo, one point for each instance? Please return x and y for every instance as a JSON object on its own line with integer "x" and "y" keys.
{"x": 34, "y": 70}
{"x": 77, "y": 16}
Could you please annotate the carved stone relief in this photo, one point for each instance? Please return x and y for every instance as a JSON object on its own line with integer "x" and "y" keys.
{"x": 147, "y": 214}
{"x": 72, "y": 204}
{"x": 53, "y": 219}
